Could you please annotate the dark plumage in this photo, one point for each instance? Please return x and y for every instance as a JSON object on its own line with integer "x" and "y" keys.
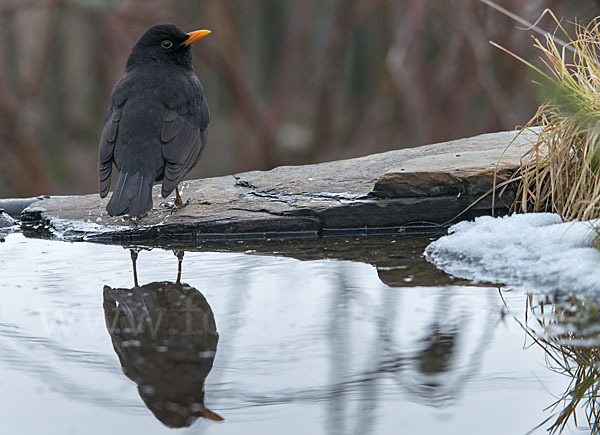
{"x": 156, "y": 126}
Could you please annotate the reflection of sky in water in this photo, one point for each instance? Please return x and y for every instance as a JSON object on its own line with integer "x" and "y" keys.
{"x": 305, "y": 347}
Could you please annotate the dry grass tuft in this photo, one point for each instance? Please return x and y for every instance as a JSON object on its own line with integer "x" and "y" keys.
{"x": 560, "y": 172}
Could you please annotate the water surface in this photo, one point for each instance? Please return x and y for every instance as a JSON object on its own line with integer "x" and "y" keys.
{"x": 313, "y": 346}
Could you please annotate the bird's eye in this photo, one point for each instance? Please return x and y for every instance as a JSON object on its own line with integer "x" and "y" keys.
{"x": 166, "y": 44}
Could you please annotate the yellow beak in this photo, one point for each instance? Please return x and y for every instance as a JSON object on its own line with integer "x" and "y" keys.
{"x": 195, "y": 35}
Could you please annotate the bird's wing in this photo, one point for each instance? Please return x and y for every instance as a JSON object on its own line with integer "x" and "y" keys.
{"x": 182, "y": 143}
{"x": 107, "y": 147}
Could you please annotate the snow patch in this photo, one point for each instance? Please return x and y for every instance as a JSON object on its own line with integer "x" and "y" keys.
{"x": 65, "y": 229}
{"x": 535, "y": 250}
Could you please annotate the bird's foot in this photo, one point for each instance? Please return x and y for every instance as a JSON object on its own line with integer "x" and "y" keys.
{"x": 174, "y": 206}
{"x": 135, "y": 220}
{"x": 177, "y": 203}
{"x": 181, "y": 203}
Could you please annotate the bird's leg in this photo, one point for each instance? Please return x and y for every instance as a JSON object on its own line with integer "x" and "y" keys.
{"x": 179, "y": 255}
{"x": 134, "y": 256}
{"x": 178, "y": 201}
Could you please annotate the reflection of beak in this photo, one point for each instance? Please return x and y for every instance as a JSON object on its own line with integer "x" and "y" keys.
{"x": 195, "y": 35}
{"x": 209, "y": 415}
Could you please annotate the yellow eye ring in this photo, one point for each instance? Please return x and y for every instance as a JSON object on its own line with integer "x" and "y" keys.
{"x": 166, "y": 44}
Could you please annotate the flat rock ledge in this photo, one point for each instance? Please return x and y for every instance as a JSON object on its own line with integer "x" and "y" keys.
{"x": 421, "y": 188}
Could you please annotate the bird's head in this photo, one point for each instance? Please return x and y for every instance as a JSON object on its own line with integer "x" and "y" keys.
{"x": 164, "y": 44}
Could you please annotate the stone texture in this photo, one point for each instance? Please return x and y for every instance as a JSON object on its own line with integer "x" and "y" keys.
{"x": 420, "y": 187}
{"x": 5, "y": 220}
{"x": 7, "y": 225}
{"x": 15, "y": 206}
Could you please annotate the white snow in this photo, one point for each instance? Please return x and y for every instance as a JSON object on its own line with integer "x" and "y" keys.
{"x": 536, "y": 250}
{"x": 62, "y": 229}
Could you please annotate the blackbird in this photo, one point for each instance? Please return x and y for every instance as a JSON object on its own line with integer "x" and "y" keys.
{"x": 156, "y": 126}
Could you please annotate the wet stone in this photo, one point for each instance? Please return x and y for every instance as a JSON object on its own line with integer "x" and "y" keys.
{"x": 5, "y": 220}
{"x": 15, "y": 206}
{"x": 7, "y": 225}
{"x": 424, "y": 187}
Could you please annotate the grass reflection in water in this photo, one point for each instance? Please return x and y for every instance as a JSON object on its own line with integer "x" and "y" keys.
{"x": 568, "y": 331}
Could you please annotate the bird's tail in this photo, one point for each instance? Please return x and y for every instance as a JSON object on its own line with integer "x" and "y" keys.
{"x": 132, "y": 195}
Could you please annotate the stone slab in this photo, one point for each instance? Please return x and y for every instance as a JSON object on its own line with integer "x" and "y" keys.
{"x": 425, "y": 187}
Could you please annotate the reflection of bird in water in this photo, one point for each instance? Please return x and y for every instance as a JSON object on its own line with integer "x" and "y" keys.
{"x": 165, "y": 336}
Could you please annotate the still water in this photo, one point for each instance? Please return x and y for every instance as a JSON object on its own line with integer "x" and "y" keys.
{"x": 269, "y": 344}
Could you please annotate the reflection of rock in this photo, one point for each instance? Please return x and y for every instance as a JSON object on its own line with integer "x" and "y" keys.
{"x": 165, "y": 336}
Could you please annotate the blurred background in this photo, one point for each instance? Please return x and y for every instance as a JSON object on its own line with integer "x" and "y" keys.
{"x": 287, "y": 81}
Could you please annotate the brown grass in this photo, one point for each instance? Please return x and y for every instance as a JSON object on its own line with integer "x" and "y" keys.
{"x": 560, "y": 172}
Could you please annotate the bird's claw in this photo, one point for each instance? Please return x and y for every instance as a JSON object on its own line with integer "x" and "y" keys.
{"x": 173, "y": 206}
{"x": 135, "y": 220}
